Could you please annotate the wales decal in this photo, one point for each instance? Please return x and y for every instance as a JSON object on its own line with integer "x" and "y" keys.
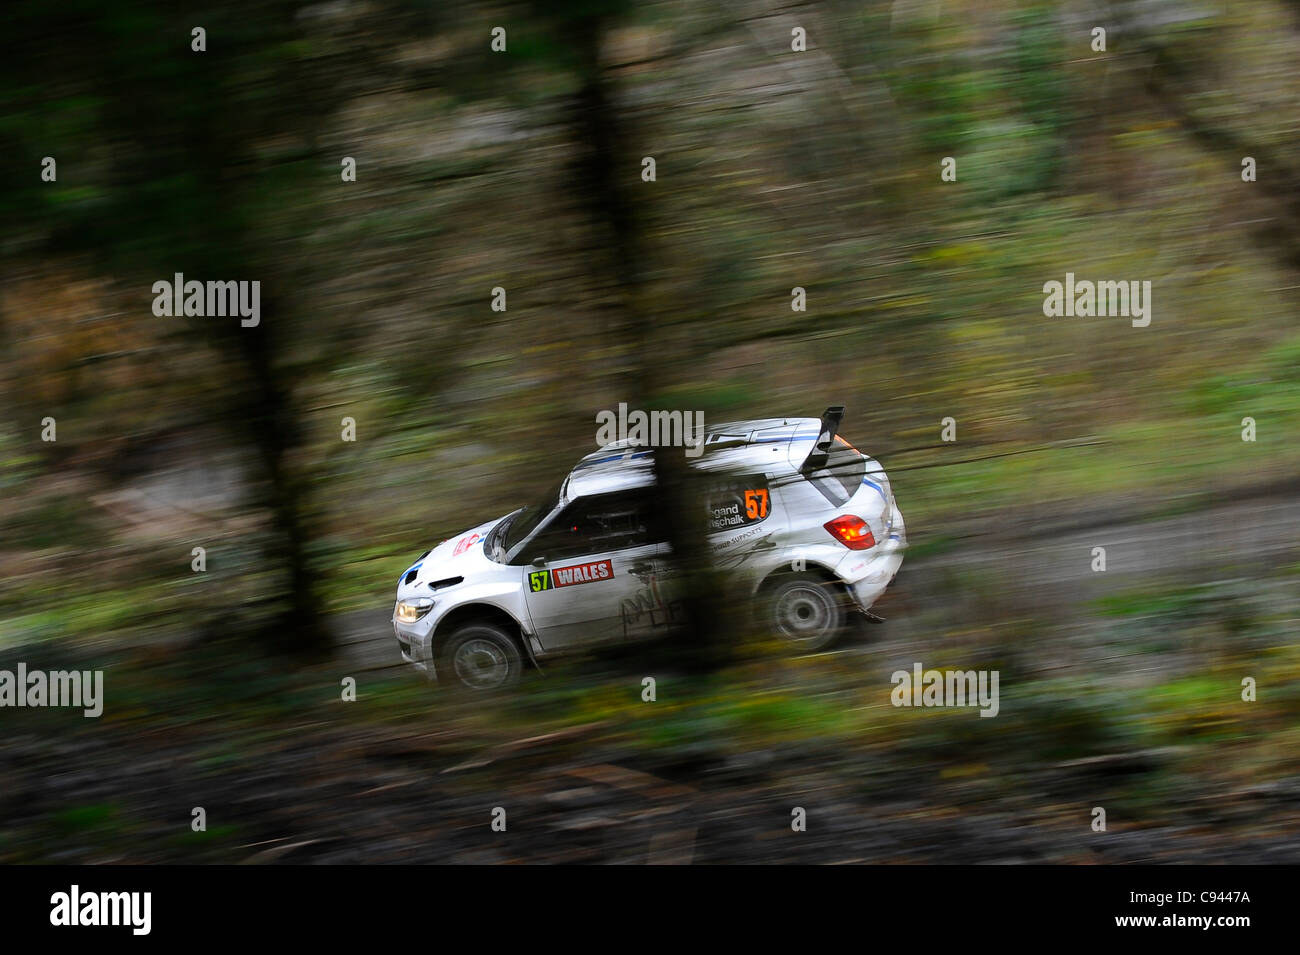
{"x": 591, "y": 573}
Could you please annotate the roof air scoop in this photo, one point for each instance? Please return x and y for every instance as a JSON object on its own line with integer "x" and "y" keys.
{"x": 722, "y": 441}
{"x": 821, "y": 449}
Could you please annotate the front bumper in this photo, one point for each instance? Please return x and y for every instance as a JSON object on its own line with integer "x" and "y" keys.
{"x": 413, "y": 645}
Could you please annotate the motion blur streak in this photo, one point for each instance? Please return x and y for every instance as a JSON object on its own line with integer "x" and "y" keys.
{"x": 474, "y": 227}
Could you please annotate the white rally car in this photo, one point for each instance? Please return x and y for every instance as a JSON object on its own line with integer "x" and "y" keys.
{"x": 807, "y": 523}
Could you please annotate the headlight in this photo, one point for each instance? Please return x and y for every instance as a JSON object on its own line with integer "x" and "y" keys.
{"x": 409, "y": 611}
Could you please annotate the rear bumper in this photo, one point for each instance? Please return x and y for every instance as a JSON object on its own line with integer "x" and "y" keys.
{"x": 869, "y": 578}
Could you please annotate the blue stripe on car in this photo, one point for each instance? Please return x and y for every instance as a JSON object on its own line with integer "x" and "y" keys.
{"x": 613, "y": 457}
{"x": 879, "y": 490}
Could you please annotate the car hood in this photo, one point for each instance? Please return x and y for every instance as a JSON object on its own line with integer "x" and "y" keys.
{"x": 458, "y": 556}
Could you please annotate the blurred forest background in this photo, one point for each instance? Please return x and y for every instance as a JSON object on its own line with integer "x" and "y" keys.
{"x": 774, "y": 169}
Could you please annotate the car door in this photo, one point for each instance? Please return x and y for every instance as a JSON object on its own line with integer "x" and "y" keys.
{"x": 587, "y": 568}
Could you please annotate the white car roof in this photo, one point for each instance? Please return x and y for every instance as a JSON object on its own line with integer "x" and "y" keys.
{"x": 758, "y": 445}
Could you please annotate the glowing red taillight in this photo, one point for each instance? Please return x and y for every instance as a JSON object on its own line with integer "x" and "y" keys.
{"x": 851, "y": 531}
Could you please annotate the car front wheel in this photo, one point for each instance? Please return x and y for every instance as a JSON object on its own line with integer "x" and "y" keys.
{"x": 482, "y": 657}
{"x": 807, "y": 611}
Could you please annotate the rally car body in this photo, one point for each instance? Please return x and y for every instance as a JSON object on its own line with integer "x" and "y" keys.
{"x": 788, "y": 500}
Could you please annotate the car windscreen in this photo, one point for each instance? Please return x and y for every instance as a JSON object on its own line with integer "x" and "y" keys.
{"x": 527, "y": 520}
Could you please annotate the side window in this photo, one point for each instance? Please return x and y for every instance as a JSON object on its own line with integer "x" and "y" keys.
{"x": 739, "y": 502}
{"x": 598, "y": 524}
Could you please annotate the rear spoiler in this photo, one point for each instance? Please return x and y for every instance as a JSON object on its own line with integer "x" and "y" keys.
{"x": 821, "y": 449}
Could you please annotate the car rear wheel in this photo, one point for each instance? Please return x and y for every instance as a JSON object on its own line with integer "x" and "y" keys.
{"x": 482, "y": 657}
{"x": 807, "y": 611}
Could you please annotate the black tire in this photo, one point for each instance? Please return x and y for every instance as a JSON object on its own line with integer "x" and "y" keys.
{"x": 807, "y": 612}
{"x": 481, "y": 658}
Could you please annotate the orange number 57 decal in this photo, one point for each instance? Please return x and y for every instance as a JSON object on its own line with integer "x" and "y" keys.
{"x": 756, "y": 504}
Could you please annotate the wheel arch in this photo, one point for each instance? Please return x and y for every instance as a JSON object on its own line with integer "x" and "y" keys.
{"x": 477, "y": 613}
{"x": 783, "y": 571}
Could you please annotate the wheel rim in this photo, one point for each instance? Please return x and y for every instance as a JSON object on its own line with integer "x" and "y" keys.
{"x": 805, "y": 614}
{"x": 481, "y": 664}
